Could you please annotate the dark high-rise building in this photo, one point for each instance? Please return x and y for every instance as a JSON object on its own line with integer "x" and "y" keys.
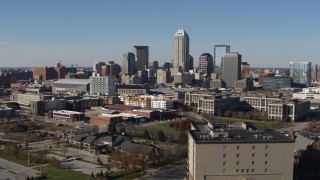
{"x": 154, "y": 64}
{"x": 144, "y": 76}
{"x": 97, "y": 67}
{"x": 129, "y": 64}
{"x": 190, "y": 62}
{"x": 111, "y": 69}
{"x": 167, "y": 65}
{"x": 206, "y": 64}
{"x": 142, "y": 57}
{"x": 231, "y": 68}
{"x": 314, "y": 72}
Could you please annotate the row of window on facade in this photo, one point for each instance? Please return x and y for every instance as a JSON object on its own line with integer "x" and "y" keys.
{"x": 238, "y": 163}
{"x": 238, "y": 147}
{"x": 244, "y": 170}
{"x": 252, "y": 155}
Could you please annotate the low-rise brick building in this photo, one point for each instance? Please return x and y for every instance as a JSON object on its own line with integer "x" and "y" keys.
{"x": 105, "y": 119}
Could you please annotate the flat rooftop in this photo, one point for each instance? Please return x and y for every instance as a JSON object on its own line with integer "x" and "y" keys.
{"x": 234, "y": 132}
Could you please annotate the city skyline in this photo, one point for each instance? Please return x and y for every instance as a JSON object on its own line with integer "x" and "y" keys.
{"x": 267, "y": 34}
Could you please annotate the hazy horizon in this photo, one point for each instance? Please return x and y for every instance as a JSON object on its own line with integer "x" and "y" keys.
{"x": 266, "y": 33}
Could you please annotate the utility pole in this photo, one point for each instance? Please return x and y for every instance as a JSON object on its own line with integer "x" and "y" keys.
{"x": 28, "y": 160}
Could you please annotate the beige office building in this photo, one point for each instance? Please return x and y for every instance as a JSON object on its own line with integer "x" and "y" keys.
{"x": 163, "y": 76}
{"x": 218, "y": 103}
{"x": 24, "y": 99}
{"x": 222, "y": 151}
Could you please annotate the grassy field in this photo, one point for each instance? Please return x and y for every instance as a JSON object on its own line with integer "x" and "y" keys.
{"x": 59, "y": 173}
{"x": 15, "y": 160}
{"x": 263, "y": 124}
{"x": 50, "y": 172}
{"x": 164, "y": 127}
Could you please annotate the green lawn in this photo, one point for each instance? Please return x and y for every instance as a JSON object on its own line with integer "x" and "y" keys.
{"x": 15, "y": 160}
{"x": 51, "y": 172}
{"x": 59, "y": 173}
{"x": 263, "y": 124}
{"x": 164, "y": 127}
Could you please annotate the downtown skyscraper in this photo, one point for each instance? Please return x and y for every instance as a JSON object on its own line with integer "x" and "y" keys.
{"x": 218, "y": 52}
{"x": 231, "y": 68}
{"x": 206, "y": 64}
{"x": 142, "y": 57}
{"x": 314, "y": 72}
{"x": 129, "y": 65}
{"x": 181, "y": 50}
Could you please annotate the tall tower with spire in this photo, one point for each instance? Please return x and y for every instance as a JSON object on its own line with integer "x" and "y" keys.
{"x": 181, "y": 50}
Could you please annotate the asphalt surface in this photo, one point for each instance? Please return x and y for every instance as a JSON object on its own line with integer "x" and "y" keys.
{"x": 85, "y": 155}
{"x": 79, "y": 166}
{"x": 13, "y": 171}
{"x": 175, "y": 173}
{"x": 298, "y": 126}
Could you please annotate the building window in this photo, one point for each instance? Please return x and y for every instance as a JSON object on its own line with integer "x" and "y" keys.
{"x": 224, "y": 147}
{"x": 266, "y": 155}
{"x": 267, "y": 146}
{"x": 266, "y": 162}
{"x": 252, "y": 162}
{"x": 237, "y": 171}
{"x": 224, "y": 171}
{"x": 224, "y": 163}
{"x": 253, "y": 147}
{"x": 252, "y": 170}
{"x": 242, "y": 170}
{"x": 238, "y": 147}
{"x": 248, "y": 170}
{"x": 238, "y": 155}
{"x": 224, "y": 155}
{"x": 237, "y": 163}
{"x": 266, "y": 170}
{"x": 252, "y": 154}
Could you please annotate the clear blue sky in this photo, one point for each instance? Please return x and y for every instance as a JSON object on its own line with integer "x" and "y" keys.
{"x": 266, "y": 32}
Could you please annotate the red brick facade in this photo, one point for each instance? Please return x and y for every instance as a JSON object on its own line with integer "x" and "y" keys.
{"x": 104, "y": 121}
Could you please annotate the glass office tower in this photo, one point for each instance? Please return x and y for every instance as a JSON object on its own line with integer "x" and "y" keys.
{"x": 300, "y": 73}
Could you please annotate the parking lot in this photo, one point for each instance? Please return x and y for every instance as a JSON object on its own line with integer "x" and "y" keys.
{"x": 10, "y": 170}
{"x": 80, "y": 166}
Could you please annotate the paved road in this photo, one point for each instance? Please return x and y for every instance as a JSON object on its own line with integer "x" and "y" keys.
{"x": 13, "y": 171}
{"x": 193, "y": 117}
{"x": 42, "y": 144}
{"x": 178, "y": 172}
{"x": 298, "y": 126}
